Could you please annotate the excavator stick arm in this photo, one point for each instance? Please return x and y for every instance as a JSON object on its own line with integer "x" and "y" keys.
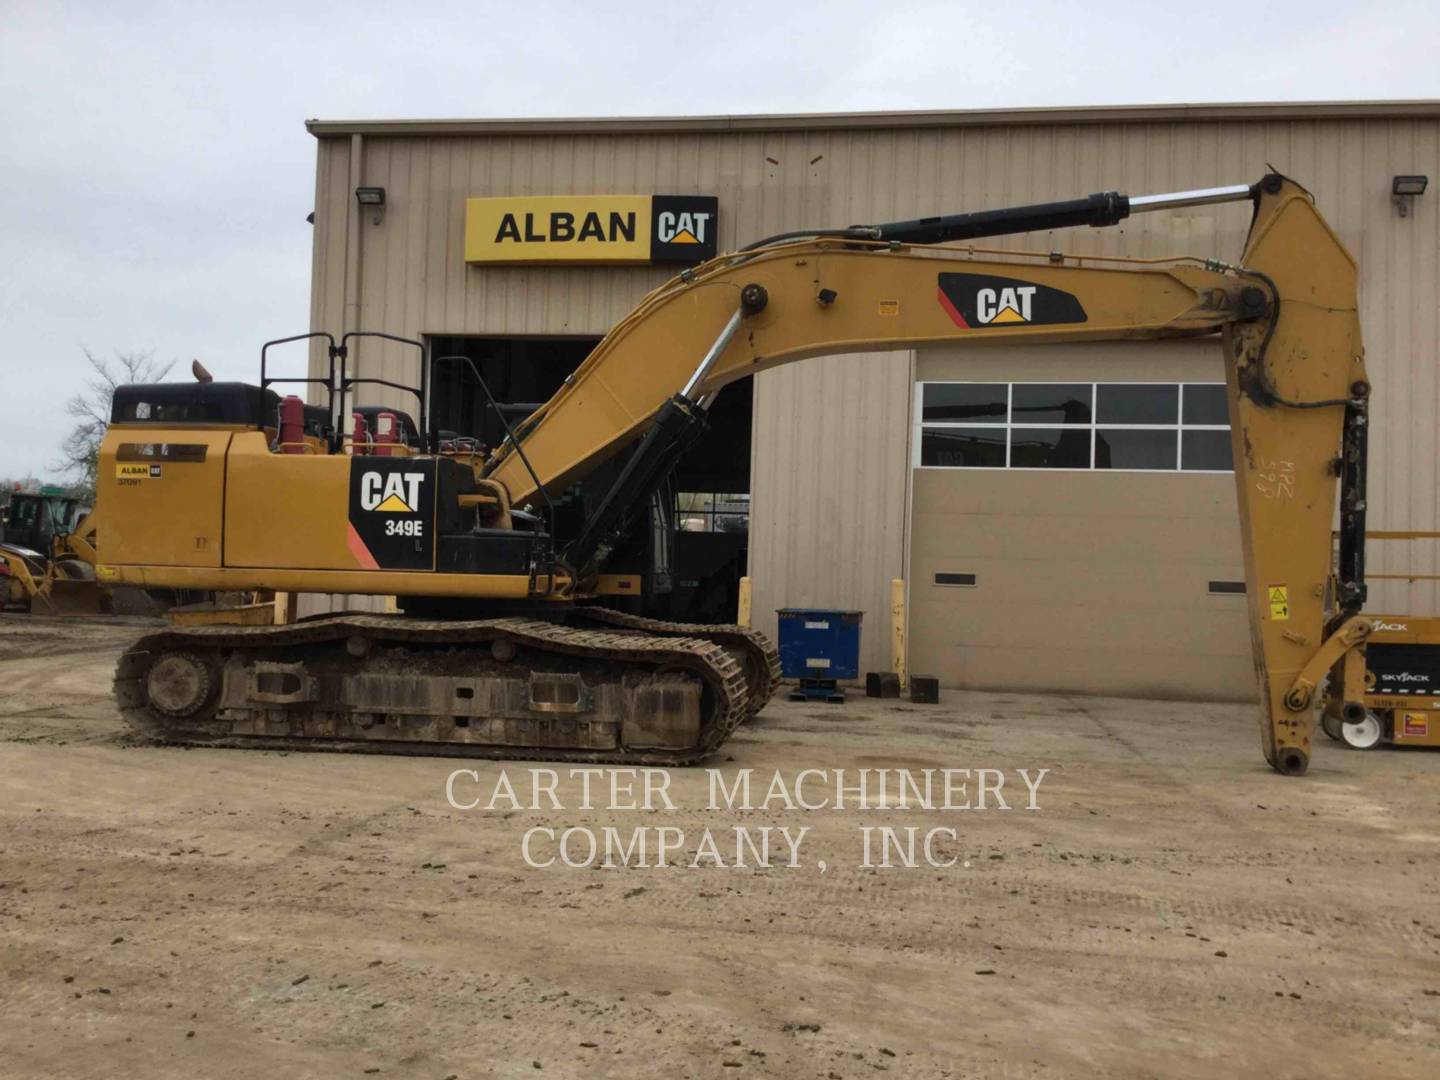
{"x": 1295, "y": 380}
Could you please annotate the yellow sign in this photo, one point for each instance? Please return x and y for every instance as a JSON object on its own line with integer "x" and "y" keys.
{"x": 584, "y": 229}
{"x": 136, "y": 471}
{"x": 1279, "y": 602}
{"x": 596, "y": 228}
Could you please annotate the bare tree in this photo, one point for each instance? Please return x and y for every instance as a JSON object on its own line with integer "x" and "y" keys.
{"x": 91, "y": 408}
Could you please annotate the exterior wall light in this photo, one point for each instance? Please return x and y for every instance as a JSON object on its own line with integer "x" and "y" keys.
{"x": 1405, "y": 188}
{"x": 372, "y": 197}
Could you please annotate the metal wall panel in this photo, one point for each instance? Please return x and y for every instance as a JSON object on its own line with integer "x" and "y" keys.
{"x": 414, "y": 279}
{"x": 828, "y": 515}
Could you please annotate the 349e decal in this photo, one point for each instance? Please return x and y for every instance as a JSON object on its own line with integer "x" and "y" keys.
{"x": 392, "y": 513}
{"x": 975, "y": 301}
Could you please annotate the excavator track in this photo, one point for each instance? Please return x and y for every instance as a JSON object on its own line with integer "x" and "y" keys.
{"x": 758, "y": 654}
{"x": 510, "y": 688}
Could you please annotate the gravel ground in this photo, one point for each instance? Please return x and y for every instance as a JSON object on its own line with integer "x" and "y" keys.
{"x": 1172, "y": 908}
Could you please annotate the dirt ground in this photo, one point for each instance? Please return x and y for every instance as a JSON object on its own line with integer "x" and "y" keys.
{"x": 1172, "y": 908}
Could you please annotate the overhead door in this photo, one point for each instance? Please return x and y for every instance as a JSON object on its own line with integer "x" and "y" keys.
{"x": 1073, "y": 522}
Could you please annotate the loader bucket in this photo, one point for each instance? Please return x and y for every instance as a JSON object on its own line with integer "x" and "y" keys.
{"x": 71, "y": 598}
{"x": 72, "y": 591}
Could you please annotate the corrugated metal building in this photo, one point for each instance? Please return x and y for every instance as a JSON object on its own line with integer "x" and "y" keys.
{"x": 1041, "y": 566}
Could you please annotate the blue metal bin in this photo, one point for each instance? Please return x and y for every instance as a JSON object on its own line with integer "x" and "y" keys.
{"x": 819, "y": 644}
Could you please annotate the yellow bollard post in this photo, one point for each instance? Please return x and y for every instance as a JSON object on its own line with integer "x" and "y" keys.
{"x": 742, "y": 615}
{"x": 897, "y": 632}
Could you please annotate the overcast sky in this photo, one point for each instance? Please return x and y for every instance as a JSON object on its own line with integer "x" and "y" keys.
{"x": 157, "y": 172}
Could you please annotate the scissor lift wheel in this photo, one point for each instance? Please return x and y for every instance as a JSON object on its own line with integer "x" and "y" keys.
{"x": 1364, "y": 734}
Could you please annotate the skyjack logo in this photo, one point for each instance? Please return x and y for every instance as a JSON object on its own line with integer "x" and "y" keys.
{"x": 1396, "y": 626}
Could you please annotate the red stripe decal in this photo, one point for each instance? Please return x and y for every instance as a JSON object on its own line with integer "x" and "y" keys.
{"x": 359, "y": 550}
{"x": 951, "y": 309}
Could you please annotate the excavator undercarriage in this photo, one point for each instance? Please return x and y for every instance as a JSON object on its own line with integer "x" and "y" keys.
{"x": 492, "y": 687}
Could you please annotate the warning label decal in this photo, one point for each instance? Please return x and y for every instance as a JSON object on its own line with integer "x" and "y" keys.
{"x": 1279, "y": 596}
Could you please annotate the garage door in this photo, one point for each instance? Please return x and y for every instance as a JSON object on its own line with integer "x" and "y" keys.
{"x": 1073, "y": 522}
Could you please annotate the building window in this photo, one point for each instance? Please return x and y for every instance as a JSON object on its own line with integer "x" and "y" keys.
{"x": 706, "y": 511}
{"x": 1052, "y": 403}
{"x": 959, "y": 403}
{"x": 1049, "y": 448}
{"x": 963, "y": 447}
{"x": 1120, "y": 427}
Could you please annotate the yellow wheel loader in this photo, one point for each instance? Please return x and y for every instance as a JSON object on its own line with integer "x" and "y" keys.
{"x": 39, "y": 571}
{"x": 503, "y": 644}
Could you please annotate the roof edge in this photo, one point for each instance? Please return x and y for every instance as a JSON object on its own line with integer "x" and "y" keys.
{"x": 931, "y": 118}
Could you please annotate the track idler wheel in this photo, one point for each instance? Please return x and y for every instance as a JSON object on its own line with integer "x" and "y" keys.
{"x": 178, "y": 684}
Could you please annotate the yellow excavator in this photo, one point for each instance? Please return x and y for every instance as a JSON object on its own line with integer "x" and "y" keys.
{"x": 507, "y": 642}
